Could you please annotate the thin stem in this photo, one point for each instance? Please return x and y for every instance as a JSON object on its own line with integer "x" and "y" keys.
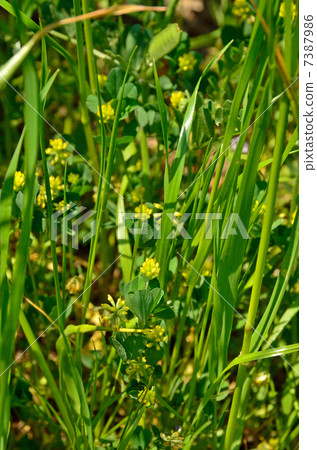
{"x": 89, "y": 47}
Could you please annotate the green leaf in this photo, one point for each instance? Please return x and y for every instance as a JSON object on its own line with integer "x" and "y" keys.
{"x": 157, "y": 294}
{"x": 164, "y": 312}
{"x": 130, "y": 91}
{"x": 138, "y": 283}
{"x": 48, "y": 85}
{"x": 141, "y": 116}
{"x": 141, "y": 304}
{"x": 6, "y": 208}
{"x": 114, "y": 82}
{"x": 119, "y": 347}
{"x": 92, "y": 103}
{"x": 134, "y": 344}
{"x": 164, "y": 42}
{"x": 283, "y": 322}
{"x": 264, "y": 354}
{"x": 73, "y": 385}
{"x": 165, "y": 83}
{"x": 153, "y": 355}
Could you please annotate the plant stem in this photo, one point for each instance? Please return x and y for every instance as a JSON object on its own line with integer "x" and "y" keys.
{"x": 259, "y": 270}
{"x": 83, "y": 92}
{"x": 145, "y": 162}
{"x": 89, "y": 47}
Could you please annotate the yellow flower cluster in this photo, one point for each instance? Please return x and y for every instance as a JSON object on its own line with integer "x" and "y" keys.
{"x": 56, "y": 186}
{"x": 187, "y": 62}
{"x": 177, "y": 99}
{"x": 142, "y": 212}
{"x": 61, "y": 205}
{"x": 175, "y": 441}
{"x": 116, "y": 311}
{"x": 107, "y": 112}
{"x": 57, "y": 149}
{"x": 155, "y": 336}
{"x": 41, "y": 198}
{"x": 282, "y": 12}
{"x": 19, "y": 181}
{"x": 241, "y": 9}
{"x": 150, "y": 268}
{"x": 147, "y": 397}
{"x": 102, "y": 79}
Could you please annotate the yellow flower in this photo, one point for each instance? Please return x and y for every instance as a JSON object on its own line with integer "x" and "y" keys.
{"x": 41, "y": 198}
{"x": 102, "y": 79}
{"x": 296, "y": 287}
{"x": 175, "y": 441}
{"x": 207, "y": 268}
{"x": 73, "y": 178}
{"x": 137, "y": 194}
{"x": 116, "y": 311}
{"x": 61, "y": 205}
{"x": 56, "y": 185}
{"x": 142, "y": 212}
{"x": 57, "y": 148}
{"x": 150, "y": 268}
{"x": 107, "y": 112}
{"x": 177, "y": 99}
{"x": 19, "y": 181}
{"x": 155, "y": 336}
{"x": 240, "y": 9}
{"x": 282, "y": 12}
{"x": 147, "y": 397}
{"x": 187, "y": 62}
{"x": 39, "y": 171}
{"x": 56, "y": 144}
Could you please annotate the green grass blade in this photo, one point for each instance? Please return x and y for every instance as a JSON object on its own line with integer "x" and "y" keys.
{"x": 278, "y": 291}
{"x": 124, "y": 246}
{"x": 6, "y": 208}
{"x": 7, "y": 340}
